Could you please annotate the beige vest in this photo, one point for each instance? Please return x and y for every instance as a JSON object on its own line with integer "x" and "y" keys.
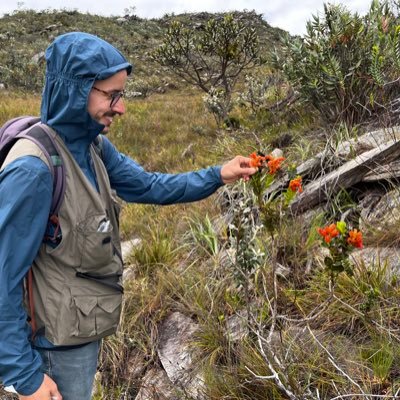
{"x": 77, "y": 286}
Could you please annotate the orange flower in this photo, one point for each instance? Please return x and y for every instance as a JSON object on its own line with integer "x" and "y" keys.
{"x": 256, "y": 160}
{"x": 355, "y": 238}
{"x": 274, "y": 164}
{"x": 329, "y": 232}
{"x": 295, "y": 185}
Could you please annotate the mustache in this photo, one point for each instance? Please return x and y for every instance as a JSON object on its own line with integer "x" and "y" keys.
{"x": 112, "y": 114}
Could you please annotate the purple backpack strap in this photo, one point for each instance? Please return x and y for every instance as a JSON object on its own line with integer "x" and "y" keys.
{"x": 16, "y": 125}
{"x": 41, "y": 135}
{"x": 30, "y": 128}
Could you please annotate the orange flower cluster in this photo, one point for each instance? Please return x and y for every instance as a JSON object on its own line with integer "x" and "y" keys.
{"x": 295, "y": 185}
{"x": 273, "y": 163}
{"x": 329, "y": 232}
{"x": 339, "y": 240}
{"x": 256, "y": 160}
{"x": 355, "y": 238}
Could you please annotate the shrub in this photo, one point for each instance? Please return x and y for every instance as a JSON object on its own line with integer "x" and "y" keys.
{"x": 346, "y": 65}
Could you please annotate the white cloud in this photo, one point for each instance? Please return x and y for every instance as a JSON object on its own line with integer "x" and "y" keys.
{"x": 290, "y": 15}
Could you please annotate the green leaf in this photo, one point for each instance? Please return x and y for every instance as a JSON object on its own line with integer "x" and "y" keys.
{"x": 341, "y": 227}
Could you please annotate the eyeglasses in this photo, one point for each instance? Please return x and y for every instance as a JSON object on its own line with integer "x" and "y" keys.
{"x": 114, "y": 96}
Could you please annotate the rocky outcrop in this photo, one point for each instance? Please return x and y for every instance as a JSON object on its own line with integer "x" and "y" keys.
{"x": 176, "y": 334}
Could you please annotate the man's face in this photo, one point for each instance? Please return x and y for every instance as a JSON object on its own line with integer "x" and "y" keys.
{"x": 105, "y": 101}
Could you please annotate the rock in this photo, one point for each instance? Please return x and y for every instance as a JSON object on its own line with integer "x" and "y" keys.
{"x": 155, "y": 386}
{"x": 198, "y": 26}
{"x": 379, "y": 256}
{"x": 176, "y": 333}
{"x": 126, "y": 250}
{"x": 129, "y": 274}
{"x": 128, "y": 246}
{"x": 37, "y": 58}
{"x": 367, "y": 206}
{"x": 2, "y": 86}
{"x": 50, "y": 28}
{"x": 282, "y": 270}
{"x": 380, "y": 212}
{"x": 236, "y": 327}
{"x": 277, "y": 153}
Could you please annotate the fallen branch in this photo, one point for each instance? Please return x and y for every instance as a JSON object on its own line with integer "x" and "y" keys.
{"x": 345, "y": 176}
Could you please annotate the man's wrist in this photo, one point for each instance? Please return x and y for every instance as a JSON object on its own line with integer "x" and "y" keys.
{"x": 30, "y": 387}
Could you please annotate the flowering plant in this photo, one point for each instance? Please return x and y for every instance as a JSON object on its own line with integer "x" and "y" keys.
{"x": 340, "y": 241}
{"x": 262, "y": 210}
{"x": 271, "y": 207}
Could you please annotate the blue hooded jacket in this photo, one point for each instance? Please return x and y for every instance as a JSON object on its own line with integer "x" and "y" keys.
{"x": 74, "y": 62}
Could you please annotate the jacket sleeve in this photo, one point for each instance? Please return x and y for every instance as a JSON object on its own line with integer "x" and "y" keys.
{"x": 25, "y": 197}
{"x": 134, "y": 184}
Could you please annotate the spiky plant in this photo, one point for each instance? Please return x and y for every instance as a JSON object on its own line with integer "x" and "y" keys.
{"x": 346, "y": 65}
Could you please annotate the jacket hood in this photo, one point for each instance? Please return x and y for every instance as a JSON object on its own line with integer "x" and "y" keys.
{"x": 74, "y": 61}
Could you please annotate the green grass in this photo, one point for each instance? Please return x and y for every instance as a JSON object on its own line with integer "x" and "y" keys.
{"x": 156, "y": 131}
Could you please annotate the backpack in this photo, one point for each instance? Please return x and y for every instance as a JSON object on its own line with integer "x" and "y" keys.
{"x": 31, "y": 128}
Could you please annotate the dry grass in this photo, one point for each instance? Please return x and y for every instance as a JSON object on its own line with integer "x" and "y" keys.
{"x": 183, "y": 264}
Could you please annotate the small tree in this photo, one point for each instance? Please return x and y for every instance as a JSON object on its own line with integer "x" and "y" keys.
{"x": 211, "y": 58}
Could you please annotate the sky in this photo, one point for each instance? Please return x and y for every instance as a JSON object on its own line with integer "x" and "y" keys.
{"x": 290, "y": 15}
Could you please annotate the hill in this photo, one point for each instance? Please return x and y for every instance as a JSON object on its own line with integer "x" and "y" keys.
{"x": 27, "y": 34}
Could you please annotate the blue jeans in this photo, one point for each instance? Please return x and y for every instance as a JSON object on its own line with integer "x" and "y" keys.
{"x": 73, "y": 370}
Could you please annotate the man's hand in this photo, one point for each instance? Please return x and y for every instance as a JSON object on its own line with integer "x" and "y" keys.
{"x": 237, "y": 168}
{"x": 47, "y": 391}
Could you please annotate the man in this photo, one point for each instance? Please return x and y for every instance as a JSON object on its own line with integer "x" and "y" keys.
{"x": 76, "y": 279}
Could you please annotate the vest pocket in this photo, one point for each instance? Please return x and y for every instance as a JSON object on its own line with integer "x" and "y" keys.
{"x": 96, "y": 315}
{"x": 95, "y": 242}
